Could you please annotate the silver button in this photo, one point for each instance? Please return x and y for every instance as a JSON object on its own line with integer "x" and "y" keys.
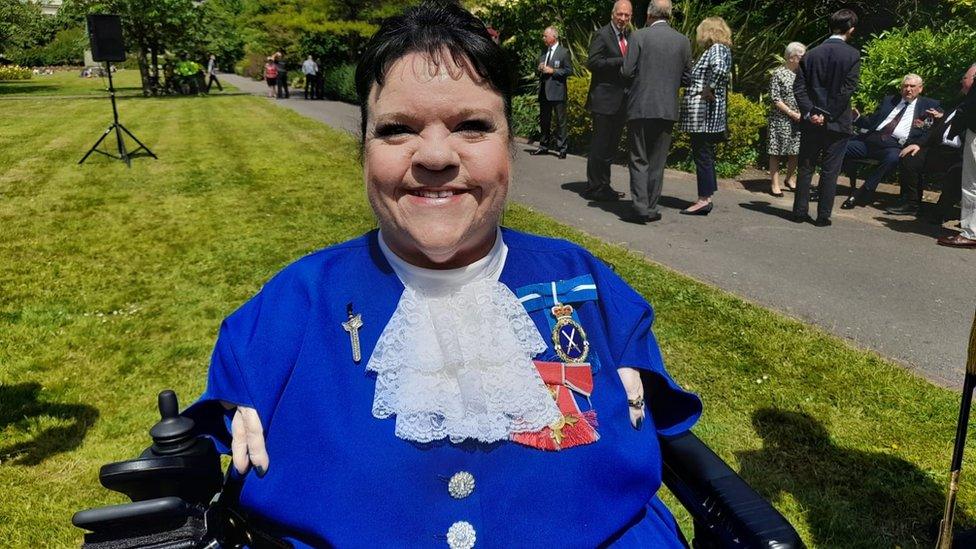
{"x": 461, "y": 535}
{"x": 461, "y": 485}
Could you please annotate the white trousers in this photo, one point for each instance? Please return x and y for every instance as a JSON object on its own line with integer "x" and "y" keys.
{"x": 967, "y": 220}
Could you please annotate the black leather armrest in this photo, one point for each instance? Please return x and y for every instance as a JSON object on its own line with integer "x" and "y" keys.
{"x": 726, "y": 510}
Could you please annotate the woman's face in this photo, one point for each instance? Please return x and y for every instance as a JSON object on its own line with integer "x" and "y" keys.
{"x": 436, "y": 161}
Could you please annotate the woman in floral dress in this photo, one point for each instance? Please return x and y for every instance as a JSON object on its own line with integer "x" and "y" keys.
{"x": 784, "y": 118}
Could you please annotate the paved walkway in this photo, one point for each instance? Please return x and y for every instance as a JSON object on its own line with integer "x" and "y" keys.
{"x": 877, "y": 280}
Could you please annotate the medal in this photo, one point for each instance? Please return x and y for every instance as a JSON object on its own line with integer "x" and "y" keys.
{"x": 352, "y": 326}
{"x": 568, "y": 337}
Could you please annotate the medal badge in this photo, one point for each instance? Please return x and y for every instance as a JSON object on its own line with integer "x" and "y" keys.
{"x": 568, "y": 337}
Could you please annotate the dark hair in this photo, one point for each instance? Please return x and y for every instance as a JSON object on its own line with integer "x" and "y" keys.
{"x": 431, "y": 28}
{"x": 842, "y": 21}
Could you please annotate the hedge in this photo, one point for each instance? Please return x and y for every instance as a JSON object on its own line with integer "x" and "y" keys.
{"x": 940, "y": 57}
{"x": 14, "y": 72}
{"x": 340, "y": 83}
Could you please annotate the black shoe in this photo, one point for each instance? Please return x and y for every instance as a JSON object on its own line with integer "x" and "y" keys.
{"x": 905, "y": 208}
{"x": 822, "y": 222}
{"x": 639, "y": 219}
{"x": 562, "y": 155}
{"x": 849, "y": 203}
{"x": 540, "y": 150}
{"x": 704, "y": 210}
{"x": 801, "y": 218}
{"x": 603, "y": 195}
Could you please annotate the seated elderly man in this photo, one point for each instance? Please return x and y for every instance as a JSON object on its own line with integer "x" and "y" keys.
{"x": 898, "y": 123}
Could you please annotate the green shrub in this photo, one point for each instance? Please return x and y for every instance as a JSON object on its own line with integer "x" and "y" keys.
{"x": 525, "y": 116}
{"x": 746, "y": 118}
{"x": 939, "y": 57}
{"x": 340, "y": 83}
{"x": 67, "y": 48}
{"x": 14, "y": 72}
{"x": 580, "y": 122}
{"x": 252, "y": 66}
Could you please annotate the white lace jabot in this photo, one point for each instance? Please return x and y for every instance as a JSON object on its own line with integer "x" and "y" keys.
{"x": 454, "y": 361}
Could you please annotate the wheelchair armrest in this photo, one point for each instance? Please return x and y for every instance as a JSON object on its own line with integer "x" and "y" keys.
{"x": 726, "y": 510}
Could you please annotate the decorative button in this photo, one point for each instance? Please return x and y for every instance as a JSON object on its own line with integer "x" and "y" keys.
{"x": 461, "y": 535}
{"x": 461, "y": 485}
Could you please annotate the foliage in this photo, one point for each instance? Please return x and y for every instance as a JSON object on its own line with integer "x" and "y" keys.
{"x": 335, "y": 43}
{"x": 222, "y": 20}
{"x": 67, "y": 48}
{"x": 340, "y": 83}
{"x": 521, "y": 22}
{"x": 578, "y": 117}
{"x": 746, "y": 119}
{"x": 22, "y": 25}
{"x": 525, "y": 116}
{"x": 938, "y": 56}
{"x": 14, "y": 72}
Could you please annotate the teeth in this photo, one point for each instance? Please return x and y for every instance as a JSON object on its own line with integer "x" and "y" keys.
{"x": 434, "y": 194}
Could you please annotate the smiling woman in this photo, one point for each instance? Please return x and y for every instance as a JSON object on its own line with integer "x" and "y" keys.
{"x": 488, "y": 352}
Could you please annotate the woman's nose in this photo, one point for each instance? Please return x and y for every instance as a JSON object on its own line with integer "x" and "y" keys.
{"x": 436, "y": 154}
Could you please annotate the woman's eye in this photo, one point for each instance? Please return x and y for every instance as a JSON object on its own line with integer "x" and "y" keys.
{"x": 475, "y": 127}
{"x": 390, "y": 130}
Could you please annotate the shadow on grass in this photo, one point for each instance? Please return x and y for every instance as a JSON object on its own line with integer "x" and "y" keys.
{"x": 851, "y": 498}
{"x": 20, "y": 408}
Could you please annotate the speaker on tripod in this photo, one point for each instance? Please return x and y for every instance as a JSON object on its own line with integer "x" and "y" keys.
{"x": 105, "y": 36}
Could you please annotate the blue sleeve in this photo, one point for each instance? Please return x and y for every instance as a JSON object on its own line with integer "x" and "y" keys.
{"x": 632, "y": 343}
{"x": 254, "y": 356}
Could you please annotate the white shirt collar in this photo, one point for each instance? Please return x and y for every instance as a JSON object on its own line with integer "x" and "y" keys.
{"x": 658, "y": 21}
{"x": 838, "y": 36}
{"x": 488, "y": 267}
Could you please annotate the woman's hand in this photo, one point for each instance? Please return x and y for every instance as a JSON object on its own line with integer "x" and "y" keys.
{"x": 708, "y": 94}
{"x": 635, "y": 394}
{"x": 247, "y": 440}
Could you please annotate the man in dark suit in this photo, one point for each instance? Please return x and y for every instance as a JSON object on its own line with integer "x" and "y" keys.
{"x": 554, "y": 67}
{"x": 899, "y": 122}
{"x": 658, "y": 61}
{"x": 939, "y": 154}
{"x": 826, "y": 79}
{"x": 607, "y": 100}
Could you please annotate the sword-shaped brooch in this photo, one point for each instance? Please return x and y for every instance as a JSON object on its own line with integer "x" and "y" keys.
{"x": 352, "y": 326}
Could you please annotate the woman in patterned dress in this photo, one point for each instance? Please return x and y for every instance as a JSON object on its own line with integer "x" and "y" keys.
{"x": 784, "y": 118}
{"x": 704, "y": 106}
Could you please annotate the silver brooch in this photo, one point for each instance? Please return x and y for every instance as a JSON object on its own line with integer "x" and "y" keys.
{"x": 461, "y": 535}
{"x": 461, "y": 485}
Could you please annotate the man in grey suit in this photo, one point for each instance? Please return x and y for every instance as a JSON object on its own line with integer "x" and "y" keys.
{"x": 554, "y": 67}
{"x": 658, "y": 61}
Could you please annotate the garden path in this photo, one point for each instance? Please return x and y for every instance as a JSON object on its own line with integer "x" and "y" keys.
{"x": 877, "y": 280}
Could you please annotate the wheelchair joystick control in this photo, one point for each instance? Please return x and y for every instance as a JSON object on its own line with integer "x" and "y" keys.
{"x": 174, "y": 433}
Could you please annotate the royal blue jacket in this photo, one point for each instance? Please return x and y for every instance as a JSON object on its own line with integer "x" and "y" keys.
{"x": 340, "y": 477}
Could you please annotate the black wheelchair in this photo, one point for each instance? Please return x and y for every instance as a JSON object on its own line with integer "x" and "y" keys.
{"x": 181, "y": 498}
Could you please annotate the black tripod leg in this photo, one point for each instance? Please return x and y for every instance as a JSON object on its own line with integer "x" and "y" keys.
{"x": 95, "y": 146}
{"x": 122, "y": 152}
{"x": 136, "y": 139}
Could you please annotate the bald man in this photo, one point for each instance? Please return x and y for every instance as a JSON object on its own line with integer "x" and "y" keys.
{"x": 555, "y": 67}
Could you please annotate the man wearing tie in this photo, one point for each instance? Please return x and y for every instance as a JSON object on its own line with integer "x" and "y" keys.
{"x": 554, "y": 67}
{"x": 826, "y": 79}
{"x": 964, "y": 125}
{"x": 899, "y": 122}
{"x": 939, "y": 154}
{"x": 607, "y": 100}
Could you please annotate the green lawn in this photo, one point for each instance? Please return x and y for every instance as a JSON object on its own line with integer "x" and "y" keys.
{"x": 113, "y": 282}
{"x": 62, "y": 83}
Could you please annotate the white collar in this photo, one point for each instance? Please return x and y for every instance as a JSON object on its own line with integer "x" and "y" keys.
{"x": 838, "y": 36}
{"x": 658, "y": 21}
{"x": 488, "y": 267}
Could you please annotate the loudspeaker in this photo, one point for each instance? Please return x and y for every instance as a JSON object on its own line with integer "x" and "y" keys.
{"x": 105, "y": 35}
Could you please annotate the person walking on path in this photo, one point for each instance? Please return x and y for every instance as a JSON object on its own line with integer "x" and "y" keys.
{"x": 607, "y": 100}
{"x": 657, "y": 63}
{"x": 784, "y": 119}
{"x": 310, "y": 70}
{"x": 212, "y": 73}
{"x": 704, "y": 107}
{"x": 826, "y": 79}
{"x": 965, "y": 124}
{"x": 271, "y": 76}
{"x": 279, "y": 60}
{"x": 555, "y": 66}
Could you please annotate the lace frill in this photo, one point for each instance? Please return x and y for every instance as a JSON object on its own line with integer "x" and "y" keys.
{"x": 455, "y": 362}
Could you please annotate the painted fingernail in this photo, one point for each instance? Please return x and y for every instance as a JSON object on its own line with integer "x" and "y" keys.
{"x": 639, "y": 423}
{"x": 260, "y": 470}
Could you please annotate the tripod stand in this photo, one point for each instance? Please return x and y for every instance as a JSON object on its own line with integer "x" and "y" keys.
{"x": 123, "y": 155}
